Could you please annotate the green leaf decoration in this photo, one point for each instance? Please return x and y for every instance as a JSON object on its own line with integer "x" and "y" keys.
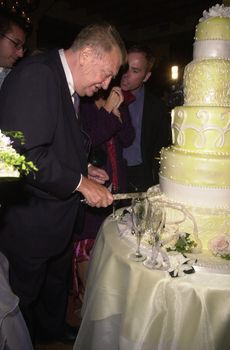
{"x": 10, "y": 159}
{"x": 16, "y": 135}
{"x": 184, "y": 244}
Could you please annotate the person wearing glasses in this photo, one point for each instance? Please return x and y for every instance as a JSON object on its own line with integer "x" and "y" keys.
{"x": 12, "y": 39}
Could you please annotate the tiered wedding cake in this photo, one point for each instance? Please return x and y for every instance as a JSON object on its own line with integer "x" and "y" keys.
{"x": 195, "y": 170}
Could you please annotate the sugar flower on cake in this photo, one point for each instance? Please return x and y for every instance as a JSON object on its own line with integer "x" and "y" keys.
{"x": 179, "y": 241}
{"x": 220, "y": 245}
{"x": 216, "y": 11}
{"x": 12, "y": 164}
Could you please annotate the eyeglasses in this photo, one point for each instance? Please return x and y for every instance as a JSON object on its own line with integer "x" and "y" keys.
{"x": 18, "y": 46}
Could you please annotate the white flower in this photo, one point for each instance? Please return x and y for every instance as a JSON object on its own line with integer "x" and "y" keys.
{"x": 12, "y": 164}
{"x": 5, "y": 141}
{"x": 216, "y": 11}
{"x": 179, "y": 264}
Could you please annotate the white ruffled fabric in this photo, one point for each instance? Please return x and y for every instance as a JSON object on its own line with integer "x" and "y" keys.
{"x": 130, "y": 307}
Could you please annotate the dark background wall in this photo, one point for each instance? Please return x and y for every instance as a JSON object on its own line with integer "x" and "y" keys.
{"x": 168, "y": 26}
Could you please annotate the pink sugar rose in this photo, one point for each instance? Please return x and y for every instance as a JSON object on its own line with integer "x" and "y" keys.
{"x": 220, "y": 245}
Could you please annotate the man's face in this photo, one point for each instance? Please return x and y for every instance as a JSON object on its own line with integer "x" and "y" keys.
{"x": 137, "y": 72}
{"x": 95, "y": 71}
{"x": 11, "y": 46}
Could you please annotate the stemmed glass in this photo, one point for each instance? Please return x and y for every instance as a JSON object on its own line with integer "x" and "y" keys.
{"x": 139, "y": 217}
{"x": 155, "y": 223}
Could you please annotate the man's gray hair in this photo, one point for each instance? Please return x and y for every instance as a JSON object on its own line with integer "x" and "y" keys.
{"x": 102, "y": 37}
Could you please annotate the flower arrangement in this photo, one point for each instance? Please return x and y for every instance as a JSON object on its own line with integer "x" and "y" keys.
{"x": 216, "y": 11}
{"x": 220, "y": 246}
{"x": 184, "y": 244}
{"x": 12, "y": 164}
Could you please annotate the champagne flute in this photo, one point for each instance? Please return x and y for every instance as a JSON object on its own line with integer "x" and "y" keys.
{"x": 155, "y": 223}
{"x": 139, "y": 217}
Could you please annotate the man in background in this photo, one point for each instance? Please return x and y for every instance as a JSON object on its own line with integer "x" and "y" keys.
{"x": 149, "y": 118}
{"x": 12, "y": 39}
{"x": 40, "y": 212}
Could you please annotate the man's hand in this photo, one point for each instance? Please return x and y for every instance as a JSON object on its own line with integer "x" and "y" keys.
{"x": 95, "y": 194}
{"x": 97, "y": 174}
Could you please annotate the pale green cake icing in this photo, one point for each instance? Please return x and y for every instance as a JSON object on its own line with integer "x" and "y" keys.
{"x": 207, "y": 83}
{"x": 195, "y": 170}
{"x": 213, "y": 28}
{"x": 204, "y": 130}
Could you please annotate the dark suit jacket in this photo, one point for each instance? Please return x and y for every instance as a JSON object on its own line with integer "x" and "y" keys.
{"x": 39, "y": 212}
{"x": 155, "y": 134}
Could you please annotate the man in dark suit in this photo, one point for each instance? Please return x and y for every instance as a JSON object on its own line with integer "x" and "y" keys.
{"x": 39, "y": 213}
{"x": 149, "y": 118}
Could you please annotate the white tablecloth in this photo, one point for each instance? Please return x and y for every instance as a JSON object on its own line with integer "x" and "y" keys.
{"x": 130, "y": 307}
{"x": 13, "y": 331}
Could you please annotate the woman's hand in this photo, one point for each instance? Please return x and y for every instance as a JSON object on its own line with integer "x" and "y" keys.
{"x": 95, "y": 194}
{"x": 97, "y": 174}
{"x": 114, "y": 101}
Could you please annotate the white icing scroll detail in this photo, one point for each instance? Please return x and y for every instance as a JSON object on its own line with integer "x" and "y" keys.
{"x": 200, "y": 141}
{"x": 180, "y": 137}
{"x": 220, "y": 139}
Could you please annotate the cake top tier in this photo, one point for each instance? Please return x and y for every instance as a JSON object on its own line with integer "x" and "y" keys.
{"x": 215, "y": 24}
{"x": 217, "y": 28}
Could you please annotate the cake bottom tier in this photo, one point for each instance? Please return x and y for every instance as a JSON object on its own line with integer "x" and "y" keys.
{"x": 202, "y": 223}
{"x": 210, "y": 223}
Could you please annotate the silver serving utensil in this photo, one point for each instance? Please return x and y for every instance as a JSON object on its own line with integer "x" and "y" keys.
{"x": 122, "y": 196}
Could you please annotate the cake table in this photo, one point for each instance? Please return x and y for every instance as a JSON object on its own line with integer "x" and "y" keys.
{"x": 13, "y": 330}
{"x": 130, "y": 307}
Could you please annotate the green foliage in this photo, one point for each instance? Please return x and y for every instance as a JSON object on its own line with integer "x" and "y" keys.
{"x": 225, "y": 256}
{"x": 18, "y": 162}
{"x": 10, "y": 159}
{"x": 184, "y": 244}
{"x": 16, "y": 135}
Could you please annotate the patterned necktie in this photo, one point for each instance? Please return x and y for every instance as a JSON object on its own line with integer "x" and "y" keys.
{"x": 76, "y": 103}
{"x": 86, "y": 138}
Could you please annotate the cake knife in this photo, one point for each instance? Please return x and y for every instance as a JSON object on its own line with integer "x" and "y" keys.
{"x": 122, "y": 196}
